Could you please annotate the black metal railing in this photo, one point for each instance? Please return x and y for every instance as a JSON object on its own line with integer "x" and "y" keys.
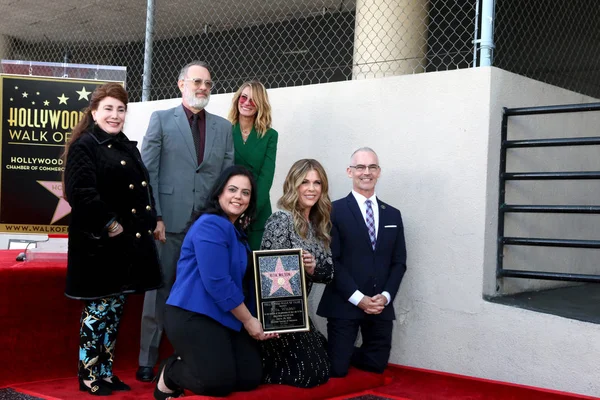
{"x": 504, "y": 208}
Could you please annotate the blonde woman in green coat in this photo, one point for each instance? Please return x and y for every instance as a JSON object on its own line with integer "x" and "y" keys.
{"x": 255, "y": 144}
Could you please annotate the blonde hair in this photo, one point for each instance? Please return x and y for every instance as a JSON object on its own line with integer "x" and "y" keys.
{"x": 320, "y": 213}
{"x": 262, "y": 118}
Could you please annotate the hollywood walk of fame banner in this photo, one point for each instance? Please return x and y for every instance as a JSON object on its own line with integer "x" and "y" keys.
{"x": 37, "y": 116}
{"x": 281, "y": 290}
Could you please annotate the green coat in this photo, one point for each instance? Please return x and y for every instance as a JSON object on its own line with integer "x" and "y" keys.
{"x": 258, "y": 155}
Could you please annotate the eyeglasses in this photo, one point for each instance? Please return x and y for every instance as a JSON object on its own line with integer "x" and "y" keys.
{"x": 198, "y": 82}
{"x": 361, "y": 168}
{"x": 244, "y": 99}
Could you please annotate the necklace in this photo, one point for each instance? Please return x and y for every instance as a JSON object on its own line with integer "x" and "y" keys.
{"x": 245, "y": 134}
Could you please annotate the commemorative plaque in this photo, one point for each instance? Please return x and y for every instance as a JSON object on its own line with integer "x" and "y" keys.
{"x": 281, "y": 290}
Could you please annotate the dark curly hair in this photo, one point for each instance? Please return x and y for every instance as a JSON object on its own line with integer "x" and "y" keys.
{"x": 212, "y": 205}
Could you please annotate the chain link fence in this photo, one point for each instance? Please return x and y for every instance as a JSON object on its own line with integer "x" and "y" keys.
{"x": 553, "y": 41}
{"x": 280, "y": 42}
{"x": 299, "y": 42}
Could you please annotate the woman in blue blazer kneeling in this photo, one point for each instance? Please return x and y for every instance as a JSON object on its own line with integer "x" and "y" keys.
{"x": 209, "y": 315}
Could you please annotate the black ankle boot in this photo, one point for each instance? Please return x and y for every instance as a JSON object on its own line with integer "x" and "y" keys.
{"x": 96, "y": 388}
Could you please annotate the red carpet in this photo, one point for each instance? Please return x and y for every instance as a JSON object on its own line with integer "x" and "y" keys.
{"x": 67, "y": 389}
{"x": 414, "y": 383}
{"x": 399, "y": 383}
{"x": 32, "y": 307}
{"x": 39, "y": 340}
{"x": 40, "y": 326}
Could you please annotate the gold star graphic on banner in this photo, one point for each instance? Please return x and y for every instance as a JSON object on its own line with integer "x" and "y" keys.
{"x": 83, "y": 94}
{"x": 38, "y": 93}
{"x": 16, "y": 88}
{"x": 46, "y": 103}
{"x": 25, "y": 94}
{"x": 11, "y": 99}
{"x": 33, "y": 103}
{"x": 62, "y": 99}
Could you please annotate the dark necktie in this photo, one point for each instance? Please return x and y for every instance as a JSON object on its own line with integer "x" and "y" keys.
{"x": 196, "y": 134}
{"x": 370, "y": 220}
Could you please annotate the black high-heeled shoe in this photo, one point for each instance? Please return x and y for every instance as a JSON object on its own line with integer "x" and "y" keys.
{"x": 116, "y": 384}
{"x": 158, "y": 394}
{"x": 96, "y": 388}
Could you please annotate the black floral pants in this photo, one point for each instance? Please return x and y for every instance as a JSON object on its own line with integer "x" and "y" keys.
{"x": 97, "y": 336}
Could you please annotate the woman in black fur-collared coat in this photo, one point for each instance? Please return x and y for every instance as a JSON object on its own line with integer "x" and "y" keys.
{"x": 111, "y": 244}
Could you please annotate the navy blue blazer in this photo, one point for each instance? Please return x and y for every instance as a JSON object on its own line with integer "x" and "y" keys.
{"x": 211, "y": 269}
{"x": 357, "y": 266}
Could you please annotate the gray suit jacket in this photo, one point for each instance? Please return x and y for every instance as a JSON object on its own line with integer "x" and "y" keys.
{"x": 179, "y": 184}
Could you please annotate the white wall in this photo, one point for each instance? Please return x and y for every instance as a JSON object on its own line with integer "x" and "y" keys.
{"x": 437, "y": 136}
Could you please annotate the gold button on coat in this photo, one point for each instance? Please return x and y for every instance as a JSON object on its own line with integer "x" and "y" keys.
{"x": 123, "y": 162}
{"x": 138, "y": 235}
{"x": 133, "y": 211}
{"x": 148, "y": 208}
{"x": 131, "y": 186}
{"x": 109, "y": 146}
{"x": 144, "y": 183}
{"x": 149, "y": 232}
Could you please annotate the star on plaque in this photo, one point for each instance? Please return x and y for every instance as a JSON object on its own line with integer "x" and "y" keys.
{"x": 25, "y": 94}
{"x": 62, "y": 208}
{"x": 11, "y": 99}
{"x": 46, "y": 103}
{"x": 83, "y": 94}
{"x": 38, "y": 93}
{"x": 280, "y": 278}
{"x": 33, "y": 103}
{"x": 62, "y": 99}
{"x": 16, "y": 88}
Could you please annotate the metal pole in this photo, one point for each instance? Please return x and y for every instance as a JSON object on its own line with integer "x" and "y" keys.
{"x": 147, "y": 83}
{"x": 487, "y": 33}
{"x": 475, "y": 41}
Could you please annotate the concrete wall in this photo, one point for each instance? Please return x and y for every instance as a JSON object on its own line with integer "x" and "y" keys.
{"x": 437, "y": 136}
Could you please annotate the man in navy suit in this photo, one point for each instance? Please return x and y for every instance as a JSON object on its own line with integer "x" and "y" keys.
{"x": 369, "y": 257}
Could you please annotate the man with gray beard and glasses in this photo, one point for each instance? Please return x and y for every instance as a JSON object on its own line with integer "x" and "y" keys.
{"x": 185, "y": 149}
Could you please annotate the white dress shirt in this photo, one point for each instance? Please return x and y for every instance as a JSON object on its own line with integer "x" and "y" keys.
{"x": 362, "y": 204}
{"x": 357, "y": 296}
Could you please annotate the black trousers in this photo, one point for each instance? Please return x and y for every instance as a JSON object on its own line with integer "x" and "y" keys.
{"x": 214, "y": 360}
{"x": 374, "y": 353}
